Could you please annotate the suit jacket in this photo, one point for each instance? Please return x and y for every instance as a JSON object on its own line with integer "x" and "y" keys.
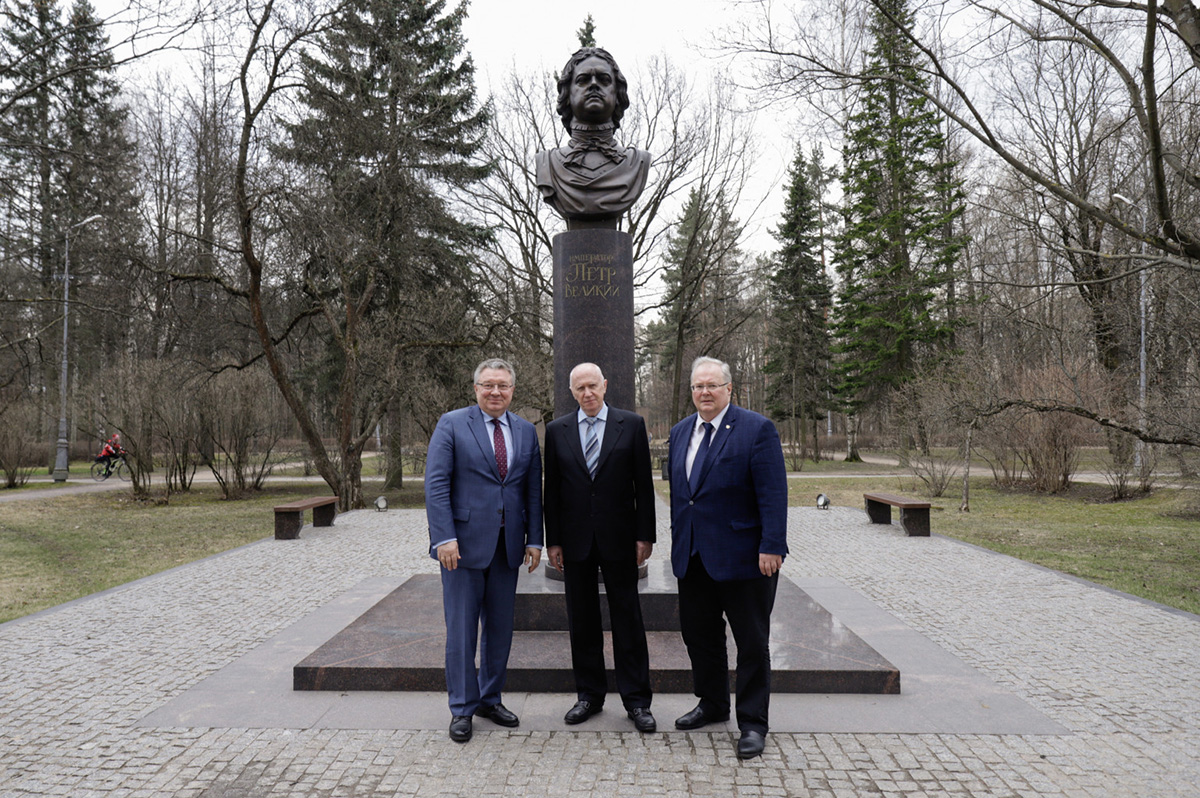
{"x": 616, "y": 509}
{"x": 465, "y": 498}
{"x": 739, "y": 509}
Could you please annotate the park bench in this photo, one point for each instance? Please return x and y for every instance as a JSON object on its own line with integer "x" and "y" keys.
{"x": 914, "y": 514}
{"x": 289, "y": 518}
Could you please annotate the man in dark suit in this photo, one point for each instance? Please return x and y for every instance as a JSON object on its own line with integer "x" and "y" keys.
{"x": 728, "y": 541}
{"x": 600, "y": 517}
{"x": 483, "y": 501}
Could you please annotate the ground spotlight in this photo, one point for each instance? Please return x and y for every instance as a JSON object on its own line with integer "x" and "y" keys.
{"x": 822, "y": 501}
{"x": 381, "y": 504}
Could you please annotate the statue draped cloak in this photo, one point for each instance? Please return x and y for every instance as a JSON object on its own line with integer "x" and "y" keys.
{"x": 577, "y": 192}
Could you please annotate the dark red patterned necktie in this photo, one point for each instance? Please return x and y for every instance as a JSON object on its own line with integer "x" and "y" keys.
{"x": 501, "y": 451}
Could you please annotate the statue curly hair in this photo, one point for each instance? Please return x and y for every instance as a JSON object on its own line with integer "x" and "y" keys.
{"x": 564, "y": 85}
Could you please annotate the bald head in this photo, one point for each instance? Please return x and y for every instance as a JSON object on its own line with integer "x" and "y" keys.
{"x": 588, "y": 386}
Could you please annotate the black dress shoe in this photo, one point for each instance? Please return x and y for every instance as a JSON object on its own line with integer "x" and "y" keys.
{"x": 498, "y": 714}
{"x": 582, "y": 711}
{"x": 460, "y": 728}
{"x": 699, "y": 717}
{"x": 751, "y": 744}
{"x": 642, "y": 719}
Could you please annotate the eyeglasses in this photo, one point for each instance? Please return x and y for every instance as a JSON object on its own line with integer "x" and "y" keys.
{"x": 707, "y": 387}
{"x": 488, "y": 387}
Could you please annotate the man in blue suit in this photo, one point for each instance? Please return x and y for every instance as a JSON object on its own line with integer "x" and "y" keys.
{"x": 728, "y": 541}
{"x": 483, "y": 501}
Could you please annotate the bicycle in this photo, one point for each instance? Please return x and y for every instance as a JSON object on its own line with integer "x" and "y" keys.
{"x": 118, "y": 465}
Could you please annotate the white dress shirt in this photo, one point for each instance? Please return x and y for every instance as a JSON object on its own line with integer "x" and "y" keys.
{"x": 698, "y": 436}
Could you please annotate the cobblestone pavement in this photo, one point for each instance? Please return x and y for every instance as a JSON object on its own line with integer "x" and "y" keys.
{"x": 1120, "y": 674}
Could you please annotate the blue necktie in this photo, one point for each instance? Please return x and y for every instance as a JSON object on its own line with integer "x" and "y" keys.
{"x": 591, "y": 448}
{"x": 701, "y": 452}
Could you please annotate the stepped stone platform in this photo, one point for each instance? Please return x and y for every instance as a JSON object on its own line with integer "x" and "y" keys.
{"x": 399, "y": 644}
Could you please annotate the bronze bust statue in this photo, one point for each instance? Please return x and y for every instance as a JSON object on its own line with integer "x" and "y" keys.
{"x": 592, "y": 181}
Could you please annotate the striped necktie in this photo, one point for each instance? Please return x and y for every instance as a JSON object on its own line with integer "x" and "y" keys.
{"x": 591, "y": 448}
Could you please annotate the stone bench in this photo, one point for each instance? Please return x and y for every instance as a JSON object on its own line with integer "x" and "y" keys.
{"x": 914, "y": 514}
{"x": 289, "y": 518}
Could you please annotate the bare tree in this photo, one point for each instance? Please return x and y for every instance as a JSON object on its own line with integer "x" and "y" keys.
{"x": 241, "y": 419}
{"x": 1073, "y": 103}
{"x": 799, "y": 58}
{"x": 20, "y": 453}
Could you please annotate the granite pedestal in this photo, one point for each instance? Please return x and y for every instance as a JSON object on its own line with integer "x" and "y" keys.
{"x": 553, "y": 574}
{"x": 399, "y": 644}
{"x": 593, "y": 312}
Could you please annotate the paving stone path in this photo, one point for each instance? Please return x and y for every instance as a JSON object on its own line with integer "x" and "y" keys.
{"x": 1121, "y": 675}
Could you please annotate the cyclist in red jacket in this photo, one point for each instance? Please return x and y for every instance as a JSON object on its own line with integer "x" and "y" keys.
{"x": 110, "y": 452}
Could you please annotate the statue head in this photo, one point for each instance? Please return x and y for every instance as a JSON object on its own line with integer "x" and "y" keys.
{"x": 566, "y": 80}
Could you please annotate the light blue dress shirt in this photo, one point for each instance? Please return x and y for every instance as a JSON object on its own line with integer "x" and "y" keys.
{"x": 601, "y": 420}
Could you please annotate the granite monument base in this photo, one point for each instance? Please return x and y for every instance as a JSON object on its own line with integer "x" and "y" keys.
{"x": 399, "y": 644}
{"x": 552, "y": 573}
{"x": 593, "y": 312}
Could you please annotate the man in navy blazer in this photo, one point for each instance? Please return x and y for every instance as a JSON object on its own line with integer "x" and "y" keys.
{"x": 483, "y": 501}
{"x": 728, "y": 541}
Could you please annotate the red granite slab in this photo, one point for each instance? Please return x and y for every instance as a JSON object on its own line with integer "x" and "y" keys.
{"x": 399, "y": 644}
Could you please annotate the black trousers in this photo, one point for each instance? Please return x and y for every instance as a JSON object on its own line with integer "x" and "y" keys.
{"x": 630, "y": 655}
{"x": 704, "y": 604}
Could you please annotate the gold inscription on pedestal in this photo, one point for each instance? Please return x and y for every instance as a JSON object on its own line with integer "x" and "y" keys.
{"x": 590, "y": 275}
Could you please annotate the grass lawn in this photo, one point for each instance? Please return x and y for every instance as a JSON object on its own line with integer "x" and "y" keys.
{"x": 835, "y": 467}
{"x": 40, "y": 477}
{"x": 38, "y": 482}
{"x": 55, "y": 550}
{"x": 1149, "y": 547}
{"x": 372, "y": 467}
{"x": 1090, "y": 459}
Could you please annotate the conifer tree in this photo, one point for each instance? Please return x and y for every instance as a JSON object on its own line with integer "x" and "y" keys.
{"x": 798, "y": 353}
{"x": 64, "y": 158}
{"x": 587, "y": 34}
{"x": 895, "y": 256}
{"x": 390, "y": 127}
{"x": 30, "y": 68}
{"x": 97, "y": 167}
{"x": 65, "y": 148}
{"x": 701, "y": 304}
{"x": 390, "y": 131}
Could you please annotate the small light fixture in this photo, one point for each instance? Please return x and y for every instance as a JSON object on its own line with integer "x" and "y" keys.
{"x": 822, "y": 501}
{"x": 381, "y": 504}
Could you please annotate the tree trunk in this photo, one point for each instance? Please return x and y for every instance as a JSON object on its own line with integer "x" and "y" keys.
{"x": 965, "y": 507}
{"x": 852, "y": 455}
{"x": 350, "y": 497}
{"x": 677, "y": 376}
{"x": 394, "y": 479}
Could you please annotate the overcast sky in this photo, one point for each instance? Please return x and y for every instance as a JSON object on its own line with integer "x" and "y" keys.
{"x": 539, "y": 37}
{"x": 503, "y": 32}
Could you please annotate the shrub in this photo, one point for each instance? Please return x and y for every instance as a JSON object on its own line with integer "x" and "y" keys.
{"x": 20, "y": 452}
{"x": 934, "y": 472}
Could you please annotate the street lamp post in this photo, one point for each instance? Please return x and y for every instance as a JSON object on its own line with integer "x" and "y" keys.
{"x": 1137, "y": 447}
{"x": 60, "y": 458}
